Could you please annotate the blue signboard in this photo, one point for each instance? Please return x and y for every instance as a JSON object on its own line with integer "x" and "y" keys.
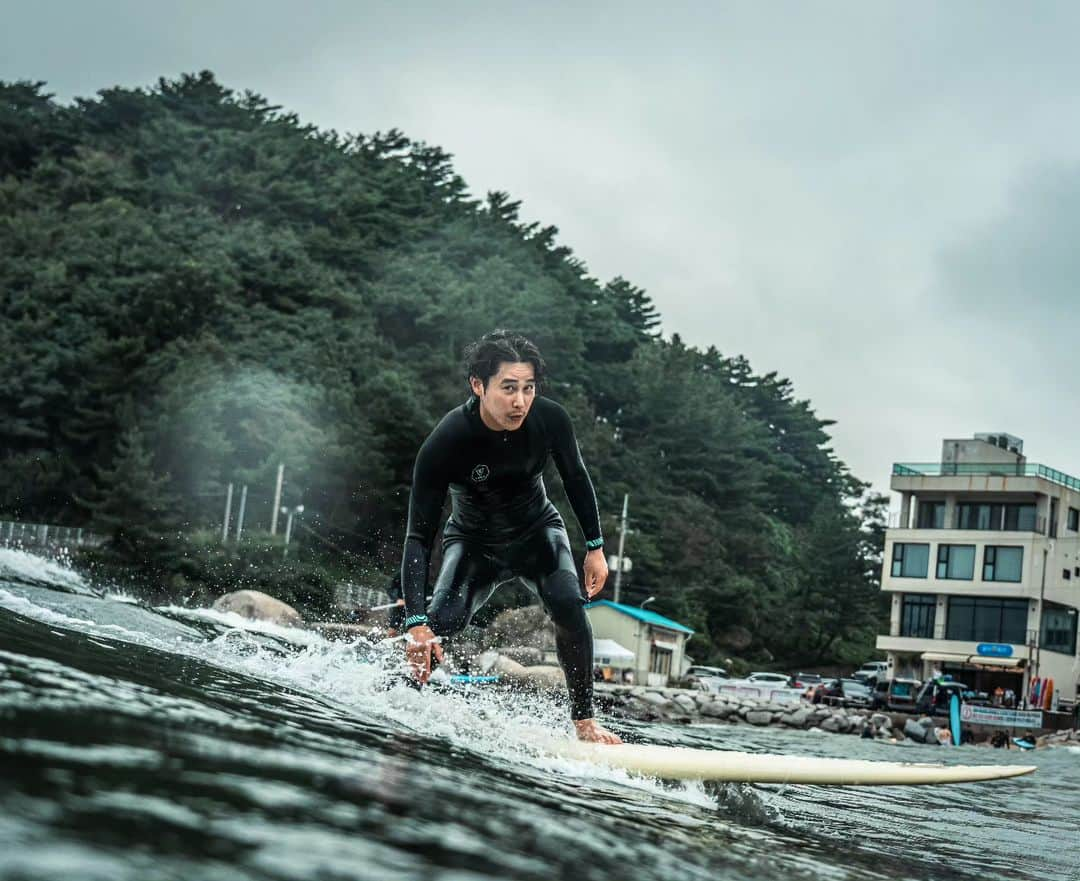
{"x": 994, "y": 649}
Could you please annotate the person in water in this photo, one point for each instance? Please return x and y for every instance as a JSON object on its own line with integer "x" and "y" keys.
{"x": 490, "y": 454}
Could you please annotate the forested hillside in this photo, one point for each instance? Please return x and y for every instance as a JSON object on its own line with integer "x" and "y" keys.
{"x": 196, "y": 286}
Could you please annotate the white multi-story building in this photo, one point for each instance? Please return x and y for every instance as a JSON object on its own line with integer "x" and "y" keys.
{"x": 983, "y": 568}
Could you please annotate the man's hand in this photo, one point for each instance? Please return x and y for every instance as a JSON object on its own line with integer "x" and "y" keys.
{"x": 596, "y": 572}
{"x": 420, "y": 643}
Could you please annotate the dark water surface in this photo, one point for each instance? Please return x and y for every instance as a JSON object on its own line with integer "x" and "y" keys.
{"x": 140, "y": 743}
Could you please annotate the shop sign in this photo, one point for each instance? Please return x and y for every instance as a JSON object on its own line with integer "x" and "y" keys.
{"x": 994, "y": 649}
{"x": 1001, "y": 717}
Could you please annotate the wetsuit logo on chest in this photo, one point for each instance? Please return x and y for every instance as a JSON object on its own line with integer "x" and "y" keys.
{"x": 480, "y": 473}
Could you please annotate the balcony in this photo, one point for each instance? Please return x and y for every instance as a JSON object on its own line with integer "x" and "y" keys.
{"x": 1038, "y": 527}
{"x": 987, "y": 469}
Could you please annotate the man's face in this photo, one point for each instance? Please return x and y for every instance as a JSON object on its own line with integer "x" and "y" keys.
{"x": 510, "y": 393}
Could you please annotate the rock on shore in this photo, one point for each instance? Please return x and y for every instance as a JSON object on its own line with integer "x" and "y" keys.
{"x": 259, "y": 607}
{"x": 653, "y": 704}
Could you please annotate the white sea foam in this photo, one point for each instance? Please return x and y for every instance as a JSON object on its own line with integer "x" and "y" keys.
{"x": 295, "y": 635}
{"x": 511, "y": 727}
{"x": 20, "y": 565}
{"x": 26, "y": 607}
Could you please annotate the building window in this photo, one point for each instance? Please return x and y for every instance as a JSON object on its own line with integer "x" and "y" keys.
{"x": 1058, "y": 629}
{"x": 1020, "y": 518}
{"x": 1074, "y": 520}
{"x": 984, "y": 619}
{"x": 1003, "y": 563}
{"x": 917, "y": 616}
{"x": 1015, "y": 517}
{"x": 956, "y": 561}
{"x": 931, "y": 515}
{"x": 910, "y": 560}
{"x": 972, "y": 515}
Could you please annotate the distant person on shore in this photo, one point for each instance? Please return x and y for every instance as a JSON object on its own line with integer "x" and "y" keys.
{"x": 490, "y": 454}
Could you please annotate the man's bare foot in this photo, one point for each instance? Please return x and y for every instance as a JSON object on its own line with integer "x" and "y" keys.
{"x": 592, "y": 731}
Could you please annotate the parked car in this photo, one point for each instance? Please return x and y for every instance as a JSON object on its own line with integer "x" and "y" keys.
{"x": 700, "y": 670}
{"x": 856, "y": 694}
{"x": 933, "y": 698}
{"x": 823, "y": 689}
{"x": 762, "y": 678}
{"x": 844, "y": 692}
{"x": 896, "y": 694}
{"x": 705, "y": 678}
{"x": 806, "y": 680}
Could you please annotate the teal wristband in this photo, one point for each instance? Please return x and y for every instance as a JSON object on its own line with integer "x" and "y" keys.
{"x": 415, "y": 621}
{"x": 594, "y": 543}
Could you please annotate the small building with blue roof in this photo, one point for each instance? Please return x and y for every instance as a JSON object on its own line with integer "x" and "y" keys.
{"x": 658, "y": 643}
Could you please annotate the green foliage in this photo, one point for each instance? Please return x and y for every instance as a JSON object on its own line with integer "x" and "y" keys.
{"x": 197, "y": 287}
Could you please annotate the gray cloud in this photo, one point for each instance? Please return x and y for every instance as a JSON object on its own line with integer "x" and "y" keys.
{"x": 836, "y": 190}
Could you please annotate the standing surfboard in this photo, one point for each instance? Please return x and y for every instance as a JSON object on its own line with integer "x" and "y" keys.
{"x": 683, "y": 763}
{"x": 954, "y": 718}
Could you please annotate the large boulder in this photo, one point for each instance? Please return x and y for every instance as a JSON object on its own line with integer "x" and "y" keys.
{"x": 258, "y": 607}
{"x": 685, "y": 703}
{"x": 880, "y": 720}
{"x": 759, "y": 717}
{"x": 655, "y": 699}
{"x": 527, "y": 627}
{"x": 915, "y": 731}
{"x": 544, "y": 676}
{"x": 523, "y": 654}
{"x": 540, "y": 676}
{"x": 494, "y": 663}
{"x": 717, "y": 709}
{"x": 836, "y": 724}
{"x": 797, "y": 719}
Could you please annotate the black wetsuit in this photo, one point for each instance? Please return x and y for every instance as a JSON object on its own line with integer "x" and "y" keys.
{"x": 502, "y": 525}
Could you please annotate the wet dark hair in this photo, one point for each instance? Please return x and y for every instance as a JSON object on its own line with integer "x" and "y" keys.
{"x": 482, "y": 358}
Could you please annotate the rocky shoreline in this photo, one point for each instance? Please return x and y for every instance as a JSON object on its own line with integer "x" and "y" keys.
{"x": 687, "y": 706}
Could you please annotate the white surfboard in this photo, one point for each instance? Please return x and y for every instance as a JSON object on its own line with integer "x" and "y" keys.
{"x": 683, "y": 763}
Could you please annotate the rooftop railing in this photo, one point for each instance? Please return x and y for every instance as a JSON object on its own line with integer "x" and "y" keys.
{"x": 996, "y": 469}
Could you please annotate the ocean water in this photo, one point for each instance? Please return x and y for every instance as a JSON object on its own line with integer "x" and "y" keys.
{"x": 141, "y": 743}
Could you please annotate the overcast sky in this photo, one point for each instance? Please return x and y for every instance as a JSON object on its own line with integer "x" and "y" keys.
{"x": 880, "y": 201}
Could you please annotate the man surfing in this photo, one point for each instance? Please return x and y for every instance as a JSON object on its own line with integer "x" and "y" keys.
{"x": 490, "y": 454}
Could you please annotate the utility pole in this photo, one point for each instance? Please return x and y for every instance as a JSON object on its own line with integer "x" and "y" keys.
{"x": 228, "y": 511}
{"x": 289, "y": 512}
{"x": 277, "y": 498}
{"x": 622, "y": 540}
{"x": 240, "y": 513}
